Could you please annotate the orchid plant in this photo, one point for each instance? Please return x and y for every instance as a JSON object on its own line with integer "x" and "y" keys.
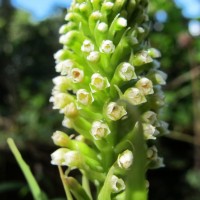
{"x": 109, "y": 91}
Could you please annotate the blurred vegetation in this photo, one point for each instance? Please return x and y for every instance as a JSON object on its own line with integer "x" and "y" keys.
{"x": 26, "y": 70}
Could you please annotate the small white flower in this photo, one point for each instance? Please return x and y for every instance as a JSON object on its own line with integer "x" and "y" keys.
{"x": 145, "y": 85}
{"x": 142, "y": 58}
{"x": 70, "y": 110}
{"x": 84, "y": 97}
{"x": 67, "y": 122}
{"x": 93, "y": 56}
{"x": 122, "y": 22}
{"x": 141, "y": 30}
{"x": 87, "y": 46}
{"x": 117, "y": 184}
{"x": 127, "y": 72}
{"x": 57, "y": 157}
{"x": 60, "y": 138}
{"x": 58, "y": 55}
{"x": 134, "y": 96}
{"x": 83, "y": 7}
{"x": 60, "y": 100}
{"x": 154, "y": 53}
{"x": 107, "y": 47}
{"x": 66, "y": 38}
{"x": 99, "y": 130}
{"x": 149, "y": 117}
{"x": 64, "y": 67}
{"x": 149, "y": 131}
{"x": 73, "y": 159}
{"x": 77, "y": 75}
{"x": 125, "y": 159}
{"x": 98, "y": 82}
{"x": 102, "y": 27}
{"x": 115, "y": 111}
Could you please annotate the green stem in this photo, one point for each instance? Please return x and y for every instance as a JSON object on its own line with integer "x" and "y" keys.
{"x": 66, "y": 188}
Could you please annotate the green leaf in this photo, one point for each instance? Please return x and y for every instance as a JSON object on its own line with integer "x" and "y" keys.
{"x": 35, "y": 189}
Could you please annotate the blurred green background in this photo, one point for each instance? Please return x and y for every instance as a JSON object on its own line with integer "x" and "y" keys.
{"x": 26, "y": 72}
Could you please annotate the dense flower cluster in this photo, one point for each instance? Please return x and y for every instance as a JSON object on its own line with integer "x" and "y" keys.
{"x": 109, "y": 84}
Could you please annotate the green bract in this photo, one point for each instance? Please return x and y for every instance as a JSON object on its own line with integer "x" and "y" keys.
{"x": 109, "y": 91}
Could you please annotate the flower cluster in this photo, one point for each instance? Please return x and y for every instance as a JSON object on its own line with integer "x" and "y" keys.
{"x": 108, "y": 90}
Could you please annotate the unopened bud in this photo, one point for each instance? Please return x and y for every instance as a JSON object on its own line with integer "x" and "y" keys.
{"x": 125, "y": 159}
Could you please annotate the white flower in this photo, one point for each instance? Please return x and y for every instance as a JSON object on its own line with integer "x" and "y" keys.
{"x": 62, "y": 84}
{"x": 99, "y": 130}
{"x": 115, "y": 111}
{"x": 70, "y": 110}
{"x": 134, "y": 96}
{"x": 57, "y": 157}
{"x": 87, "y": 46}
{"x": 98, "y": 82}
{"x": 125, "y": 159}
{"x": 154, "y": 53}
{"x": 127, "y": 72}
{"x": 64, "y": 67}
{"x": 107, "y": 47}
{"x": 149, "y": 131}
{"x": 73, "y": 159}
{"x": 117, "y": 184}
{"x": 67, "y": 122}
{"x": 84, "y": 97}
{"x": 77, "y": 75}
{"x": 145, "y": 85}
{"x": 58, "y": 55}
{"x": 93, "y": 56}
{"x": 149, "y": 117}
{"x": 60, "y": 100}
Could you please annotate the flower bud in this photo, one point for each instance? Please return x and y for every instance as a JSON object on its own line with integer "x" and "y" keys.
{"x": 115, "y": 111}
{"x": 125, "y": 159}
{"x": 94, "y": 56}
{"x": 57, "y": 157}
{"x": 121, "y": 22}
{"x": 84, "y": 97}
{"x": 99, "y": 130}
{"x": 96, "y": 15}
{"x": 62, "y": 84}
{"x": 152, "y": 153}
{"x": 98, "y": 82}
{"x": 87, "y": 46}
{"x": 117, "y": 184}
{"x": 60, "y": 139}
{"x": 134, "y": 96}
{"x": 107, "y": 47}
{"x": 145, "y": 86}
{"x": 102, "y": 27}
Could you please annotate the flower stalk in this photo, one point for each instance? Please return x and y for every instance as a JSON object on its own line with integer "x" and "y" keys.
{"x": 109, "y": 90}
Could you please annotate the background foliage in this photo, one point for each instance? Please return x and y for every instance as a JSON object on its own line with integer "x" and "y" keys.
{"x": 27, "y": 67}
